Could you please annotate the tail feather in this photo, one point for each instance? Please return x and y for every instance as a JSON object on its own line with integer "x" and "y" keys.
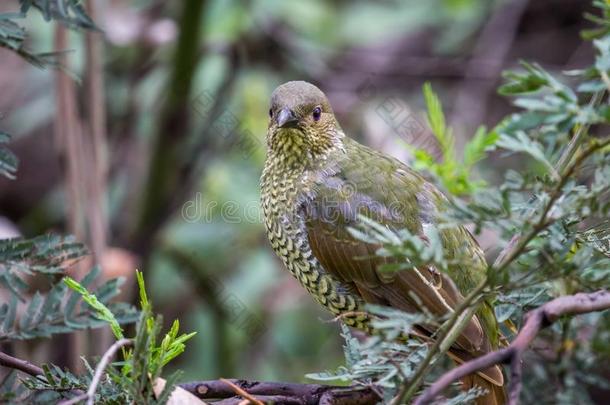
{"x": 496, "y": 394}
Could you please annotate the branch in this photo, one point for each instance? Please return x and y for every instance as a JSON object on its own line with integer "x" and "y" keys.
{"x": 21, "y": 365}
{"x": 536, "y": 320}
{"x": 493, "y": 44}
{"x": 290, "y": 393}
{"x": 96, "y": 142}
{"x": 99, "y": 370}
{"x": 172, "y": 130}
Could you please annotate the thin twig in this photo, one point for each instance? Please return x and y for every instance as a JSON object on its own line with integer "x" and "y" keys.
{"x": 536, "y": 320}
{"x": 241, "y": 392}
{"x": 101, "y": 367}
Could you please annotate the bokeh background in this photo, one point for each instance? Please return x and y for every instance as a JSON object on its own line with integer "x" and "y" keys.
{"x": 184, "y": 89}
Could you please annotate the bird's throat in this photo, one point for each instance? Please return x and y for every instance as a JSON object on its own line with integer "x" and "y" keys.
{"x": 288, "y": 148}
{"x": 294, "y": 149}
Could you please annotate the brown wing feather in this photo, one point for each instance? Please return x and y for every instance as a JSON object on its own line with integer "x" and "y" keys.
{"x": 355, "y": 262}
{"x": 411, "y": 290}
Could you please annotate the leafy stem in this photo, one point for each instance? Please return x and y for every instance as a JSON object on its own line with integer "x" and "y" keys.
{"x": 445, "y": 337}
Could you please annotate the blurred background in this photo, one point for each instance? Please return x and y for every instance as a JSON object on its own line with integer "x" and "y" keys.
{"x": 149, "y": 144}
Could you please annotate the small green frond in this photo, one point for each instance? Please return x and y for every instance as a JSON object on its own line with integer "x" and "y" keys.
{"x": 102, "y": 311}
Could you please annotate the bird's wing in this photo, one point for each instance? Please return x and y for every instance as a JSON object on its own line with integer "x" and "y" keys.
{"x": 365, "y": 182}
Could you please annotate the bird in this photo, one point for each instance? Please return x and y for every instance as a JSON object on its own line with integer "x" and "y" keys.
{"x": 316, "y": 184}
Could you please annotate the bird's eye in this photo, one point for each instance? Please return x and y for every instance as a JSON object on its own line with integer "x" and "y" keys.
{"x": 317, "y": 112}
{"x": 271, "y": 113}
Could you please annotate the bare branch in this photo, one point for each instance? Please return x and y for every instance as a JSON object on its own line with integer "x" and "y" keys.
{"x": 536, "y": 320}
{"x": 493, "y": 44}
{"x": 21, "y": 365}
{"x": 74, "y": 400}
{"x": 291, "y": 393}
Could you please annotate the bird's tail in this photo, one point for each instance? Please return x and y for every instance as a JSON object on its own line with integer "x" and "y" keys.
{"x": 496, "y": 394}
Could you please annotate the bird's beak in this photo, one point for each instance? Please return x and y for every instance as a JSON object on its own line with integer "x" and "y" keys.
{"x": 287, "y": 119}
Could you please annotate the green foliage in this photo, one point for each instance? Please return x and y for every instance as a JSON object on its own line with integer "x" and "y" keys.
{"x": 8, "y": 160}
{"x": 561, "y": 218}
{"x": 388, "y": 359}
{"x": 48, "y": 254}
{"x": 454, "y": 174}
{"x": 171, "y": 345}
{"x": 132, "y": 379}
{"x": 403, "y": 243}
{"x": 102, "y": 312}
{"x": 70, "y": 13}
{"x": 26, "y": 313}
{"x": 602, "y": 22}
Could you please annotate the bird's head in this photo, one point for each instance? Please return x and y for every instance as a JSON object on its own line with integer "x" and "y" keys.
{"x": 301, "y": 122}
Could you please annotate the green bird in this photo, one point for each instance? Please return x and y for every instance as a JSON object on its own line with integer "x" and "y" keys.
{"x": 315, "y": 185}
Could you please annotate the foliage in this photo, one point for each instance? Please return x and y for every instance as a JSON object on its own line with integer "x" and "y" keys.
{"x": 62, "y": 304}
{"x": 559, "y": 217}
{"x": 101, "y": 311}
{"x": 70, "y": 13}
{"x": 455, "y": 174}
{"x": 8, "y": 160}
{"x": 27, "y": 312}
{"x": 38, "y": 304}
{"x": 311, "y": 43}
{"x": 130, "y": 380}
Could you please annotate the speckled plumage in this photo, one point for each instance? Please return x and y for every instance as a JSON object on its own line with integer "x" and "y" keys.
{"x": 316, "y": 182}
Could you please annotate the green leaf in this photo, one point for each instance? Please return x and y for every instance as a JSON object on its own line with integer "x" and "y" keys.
{"x": 436, "y": 120}
{"x": 522, "y": 143}
{"x": 69, "y": 12}
{"x": 534, "y": 79}
{"x": 102, "y": 310}
{"x": 144, "y": 303}
{"x": 31, "y": 311}
{"x": 475, "y": 149}
{"x": 8, "y": 160}
{"x": 10, "y": 314}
